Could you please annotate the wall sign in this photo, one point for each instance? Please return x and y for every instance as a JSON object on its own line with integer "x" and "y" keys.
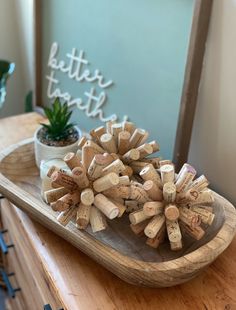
{"x": 76, "y": 67}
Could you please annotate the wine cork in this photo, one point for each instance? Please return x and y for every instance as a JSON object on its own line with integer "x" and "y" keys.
{"x": 171, "y": 212}
{"x": 119, "y": 191}
{"x": 152, "y": 208}
{"x": 154, "y": 225}
{"x": 128, "y": 171}
{"x": 96, "y": 148}
{"x": 137, "y": 137}
{"x": 88, "y": 154}
{"x": 106, "y": 206}
{"x": 82, "y": 142}
{"x": 46, "y": 186}
{"x": 152, "y": 160}
{"x": 189, "y": 196}
{"x": 204, "y": 197}
{"x": 123, "y": 142}
{"x": 66, "y": 201}
{"x": 120, "y": 206}
{"x": 155, "y": 146}
{"x": 208, "y": 208}
{"x": 80, "y": 177}
{"x": 115, "y": 130}
{"x": 197, "y": 232}
{"x": 138, "y": 166}
{"x": 165, "y": 162}
{"x": 139, "y": 194}
{"x": 97, "y": 133}
{"x": 54, "y": 194}
{"x": 87, "y": 196}
{"x": 107, "y": 181}
{"x": 158, "y": 239}
{"x": 124, "y": 180}
{"x": 79, "y": 155}
{"x": 66, "y": 216}
{"x": 62, "y": 179}
{"x": 189, "y": 217}
{"x": 138, "y": 229}
{"x": 131, "y": 155}
{"x": 144, "y": 150}
{"x": 97, "y": 220}
{"x": 128, "y": 126}
{"x": 132, "y": 205}
{"x": 120, "y": 200}
{"x": 51, "y": 170}
{"x": 173, "y": 231}
{"x": 167, "y": 173}
{"x": 82, "y": 216}
{"x": 206, "y": 216}
{"x": 72, "y": 160}
{"x": 150, "y": 173}
{"x": 108, "y": 143}
{"x": 200, "y": 184}
{"x": 152, "y": 190}
{"x": 138, "y": 217}
{"x": 98, "y": 163}
{"x": 176, "y": 246}
{"x": 169, "y": 192}
{"x": 116, "y": 166}
{"x": 108, "y": 126}
{"x": 184, "y": 178}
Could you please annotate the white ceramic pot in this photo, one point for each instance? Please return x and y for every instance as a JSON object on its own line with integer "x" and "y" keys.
{"x": 46, "y": 152}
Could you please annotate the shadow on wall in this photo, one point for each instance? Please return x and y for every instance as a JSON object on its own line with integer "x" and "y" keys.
{"x": 213, "y": 146}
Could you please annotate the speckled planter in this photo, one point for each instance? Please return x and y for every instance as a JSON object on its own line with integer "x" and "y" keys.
{"x": 46, "y": 152}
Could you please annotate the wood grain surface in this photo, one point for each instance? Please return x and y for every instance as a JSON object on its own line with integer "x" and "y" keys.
{"x": 83, "y": 284}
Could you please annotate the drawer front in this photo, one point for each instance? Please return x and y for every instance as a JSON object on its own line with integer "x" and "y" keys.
{"x": 33, "y": 281}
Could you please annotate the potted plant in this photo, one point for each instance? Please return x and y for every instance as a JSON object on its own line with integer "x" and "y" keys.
{"x": 59, "y": 136}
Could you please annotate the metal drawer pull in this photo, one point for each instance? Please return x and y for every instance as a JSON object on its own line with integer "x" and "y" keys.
{"x": 10, "y": 290}
{"x": 48, "y": 307}
{"x": 4, "y": 247}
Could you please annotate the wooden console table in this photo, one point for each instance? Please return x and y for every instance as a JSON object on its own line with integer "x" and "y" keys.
{"x": 50, "y": 270}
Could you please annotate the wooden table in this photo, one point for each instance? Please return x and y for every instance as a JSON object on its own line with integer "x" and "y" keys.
{"x": 80, "y": 283}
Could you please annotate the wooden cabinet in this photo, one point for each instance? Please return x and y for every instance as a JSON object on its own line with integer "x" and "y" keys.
{"x": 21, "y": 259}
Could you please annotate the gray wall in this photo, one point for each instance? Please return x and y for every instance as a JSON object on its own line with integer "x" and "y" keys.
{"x": 213, "y": 145}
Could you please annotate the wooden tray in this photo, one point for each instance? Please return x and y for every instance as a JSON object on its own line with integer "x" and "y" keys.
{"x": 117, "y": 248}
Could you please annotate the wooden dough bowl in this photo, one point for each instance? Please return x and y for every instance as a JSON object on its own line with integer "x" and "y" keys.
{"x": 117, "y": 248}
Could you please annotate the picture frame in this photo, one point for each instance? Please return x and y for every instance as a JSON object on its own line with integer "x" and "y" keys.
{"x": 192, "y": 75}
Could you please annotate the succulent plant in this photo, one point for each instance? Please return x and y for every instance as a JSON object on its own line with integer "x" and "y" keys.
{"x": 58, "y": 116}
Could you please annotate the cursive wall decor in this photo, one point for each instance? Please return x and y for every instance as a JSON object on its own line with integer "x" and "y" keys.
{"x": 76, "y": 68}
